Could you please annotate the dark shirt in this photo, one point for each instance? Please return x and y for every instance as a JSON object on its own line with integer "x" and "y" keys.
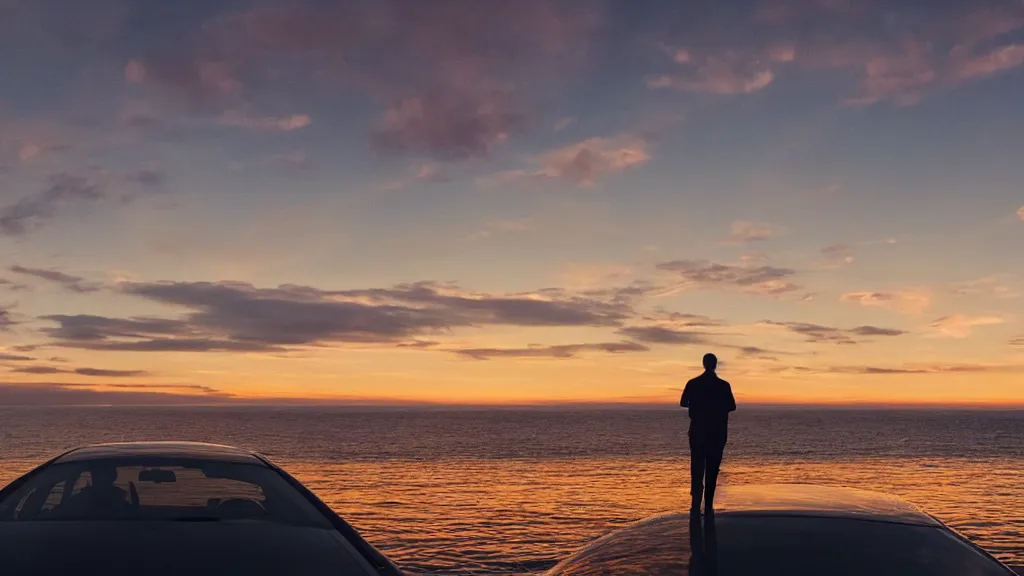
{"x": 709, "y": 400}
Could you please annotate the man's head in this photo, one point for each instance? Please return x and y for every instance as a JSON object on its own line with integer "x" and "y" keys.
{"x": 710, "y": 362}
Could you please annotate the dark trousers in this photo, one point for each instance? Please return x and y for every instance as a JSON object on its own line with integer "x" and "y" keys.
{"x": 705, "y": 460}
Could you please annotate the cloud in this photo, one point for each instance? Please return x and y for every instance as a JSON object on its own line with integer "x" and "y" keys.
{"x": 448, "y": 129}
{"x": 876, "y": 331}
{"x": 1018, "y": 341}
{"x": 768, "y": 280}
{"x": 906, "y": 301}
{"x": 235, "y": 316}
{"x": 501, "y": 227}
{"x": 836, "y": 255}
{"x": 5, "y": 357}
{"x": 431, "y": 173}
{"x": 990, "y": 286}
{"x": 745, "y": 232}
{"x": 1020, "y": 213}
{"x": 818, "y": 334}
{"x": 30, "y": 212}
{"x": 586, "y": 162}
{"x": 915, "y": 369}
{"x": 237, "y": 119}
{"x": 728, "y": 73}
{"x": 135, "y": 72}
{"x": 663, "y": 335}
{"x": 38, "y": 370}
{"x": 561, "y": 351}
{"x": 68, "y": 281}
{"x": 997, "y": 60}
{"x": 564, "y": 123}
{"x": 6, "y": 322}
{"x": 896, "y": 59}
{"x": 78, "y": 393}
{"x": 109, "y": 373}
{"x": 148, "y": 176}
{"x": 960, "y": 325}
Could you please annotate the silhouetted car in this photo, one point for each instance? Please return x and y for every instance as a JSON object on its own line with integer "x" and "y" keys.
{"x": 173, "y": 508}
{"x": 793, "y": 530}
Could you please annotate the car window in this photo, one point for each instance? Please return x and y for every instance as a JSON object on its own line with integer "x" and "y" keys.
{"x": 796, "y": 546}
{"x": 159, "y": 489}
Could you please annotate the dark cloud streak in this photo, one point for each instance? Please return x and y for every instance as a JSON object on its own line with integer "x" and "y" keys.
{"x": 68, "y": 281}
{"x": 561, "y": 351}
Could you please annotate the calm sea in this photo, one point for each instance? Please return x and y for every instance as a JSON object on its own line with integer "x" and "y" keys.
{"x": 510, "y": 491}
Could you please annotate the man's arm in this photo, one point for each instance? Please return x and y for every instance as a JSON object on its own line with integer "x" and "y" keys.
{"x": 684, "y": 401}
{"x": 732, "y": 401}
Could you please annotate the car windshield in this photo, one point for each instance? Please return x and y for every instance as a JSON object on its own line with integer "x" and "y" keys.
{"x": 796, "y": 546}
{"x": 159, "y": 489}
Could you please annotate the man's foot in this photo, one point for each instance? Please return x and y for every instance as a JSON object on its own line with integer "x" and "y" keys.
{"x": 709, "y": 509}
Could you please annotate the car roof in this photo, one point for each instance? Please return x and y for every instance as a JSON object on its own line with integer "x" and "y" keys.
{"x": 819, "y": 501}
{"x": 193, "y": 450}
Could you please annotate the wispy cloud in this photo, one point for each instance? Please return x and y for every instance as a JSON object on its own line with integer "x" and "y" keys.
{"x": 564, "y": 123}
{"x": 912, "y": 369}
{"x": 836, "y": 255}
{"x": 996, "y": 286}
{"x": 768, "y": 280}
{"x": 560, "y": 351}
{"x": 746, "y": 231}
{"x": 587, "y": 162}
{"x": 818, "y": 334}
{"x": 664, "y": 335}
{"x": 905, "y": 300}
{"x": 238, "y": 119}
{"x": 960, "y": 325}
{"x": 449, "y": 129}
{"x": 62, "y": 192}
{"x": 6, "y": 322}
{"x": 725, "y": 73}
{"x": 898, "y": 62}
{"x": 68, "y": 281}
{"x": 501, "y": 227}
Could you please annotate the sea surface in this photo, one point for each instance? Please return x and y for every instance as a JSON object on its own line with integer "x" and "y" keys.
{"x": 515, "y": 491}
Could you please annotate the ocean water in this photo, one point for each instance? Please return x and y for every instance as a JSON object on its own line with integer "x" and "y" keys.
{"x": 515, "y": 491}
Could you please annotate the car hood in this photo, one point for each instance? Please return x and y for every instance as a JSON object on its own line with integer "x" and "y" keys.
{"x": 195, "y": 548}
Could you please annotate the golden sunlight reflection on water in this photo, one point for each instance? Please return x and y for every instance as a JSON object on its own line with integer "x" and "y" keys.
{"x": 522, "y": 516}
{"x": 488, "y": 492}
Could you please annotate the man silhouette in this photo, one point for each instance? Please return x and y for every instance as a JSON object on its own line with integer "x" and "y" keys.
{"x": 708, "y": 400}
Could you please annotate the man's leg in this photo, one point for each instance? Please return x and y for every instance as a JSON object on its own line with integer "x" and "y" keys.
{"x": 697, "y": 458}
{"x": 714, "y": 462}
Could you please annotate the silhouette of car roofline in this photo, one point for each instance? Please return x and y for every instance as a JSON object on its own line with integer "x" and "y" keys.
{"x": 214, "y": 453}
{"x": 156, "y": 449}
{"x": 812, "y": 500}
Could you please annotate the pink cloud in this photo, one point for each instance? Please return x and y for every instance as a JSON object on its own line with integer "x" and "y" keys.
{"x": 906, "y": 300}
{"x": 960, "y": 325}
{"x": 899, "y": 64}
{"x": 449, "y": 129}
{"x": 586, "y": 162}
{"x": 236, "y": 119}
{"x": 746, "y": 231}
{"x": 992, "y": 62}
{"x": 135, "y": 72}
{"x": 445, "y": 72}
{"x": 726, "y": 74}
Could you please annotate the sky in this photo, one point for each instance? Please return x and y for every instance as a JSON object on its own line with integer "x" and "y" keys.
{"x": 511, "y": 202}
